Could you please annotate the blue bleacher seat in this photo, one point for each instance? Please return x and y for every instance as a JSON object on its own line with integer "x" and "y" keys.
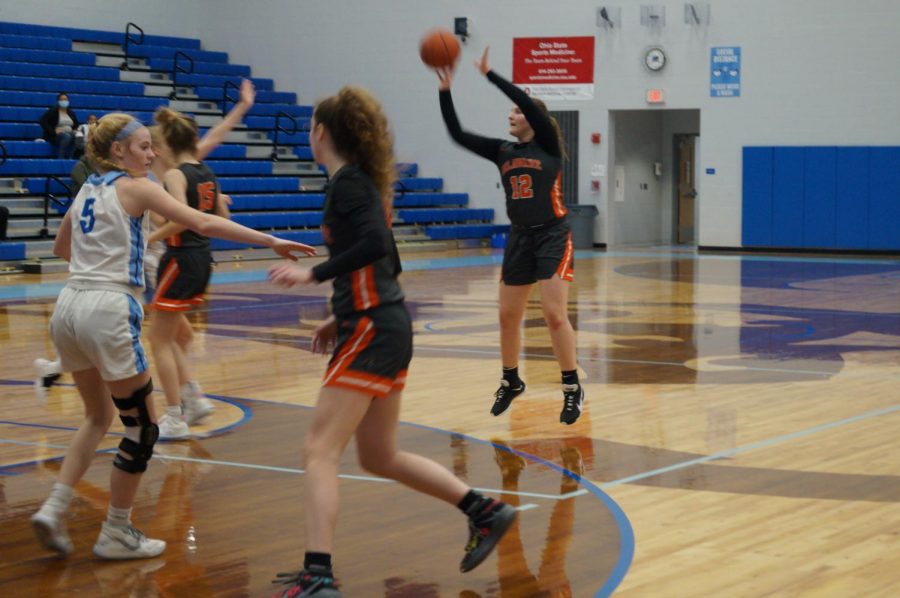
{"x": 268, "y": 184}
{"x": 304, "y": 201}
{"x": 20, "y": 130}
{"x": 90, "y": 35}
{"x": 147, "y": 51}
{"x": 47, "y": 56}
{"x": 72, "y": 85}
{"x": 410, "y": 200}
{"x": 36, "y": 167}
{"x": 82, "y": 102}
{"x": 203, "y": 68}
{"x": 35, "y": 43}
{"x": 420, "y": 184}
{"x": 58, "y": 71}
{"x": 10, "y": 250}
{"x": 422, "y": 216}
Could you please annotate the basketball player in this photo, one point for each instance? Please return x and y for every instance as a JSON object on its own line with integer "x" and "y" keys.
{"x": 196, "y": 405}
{"x": 188, "y": 254}
{"x": 362, "y": 387}
{"x": 539, "y": 248}
{"x": 96, "y": 326}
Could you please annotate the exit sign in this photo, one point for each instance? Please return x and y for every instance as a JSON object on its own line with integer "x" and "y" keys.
{"x": 656, "y": 96}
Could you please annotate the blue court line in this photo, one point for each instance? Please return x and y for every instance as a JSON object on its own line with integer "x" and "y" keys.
{"x": 626, "y": 534}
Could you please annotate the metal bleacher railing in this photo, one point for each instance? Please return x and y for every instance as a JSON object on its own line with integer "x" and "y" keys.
{"x": 128, "y": 41}
{"x": 278, "y": 129}
{"x": 50, "y": 196}
{"x": 177, "y": 68}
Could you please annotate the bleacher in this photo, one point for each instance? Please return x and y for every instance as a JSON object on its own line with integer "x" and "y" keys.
{"x": 277, "y": 189}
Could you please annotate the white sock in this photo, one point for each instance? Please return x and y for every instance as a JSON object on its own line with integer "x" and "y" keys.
{"x": 60, "y": 497}
{"x": 118, "y": 517}
{"x": 175, "y": 412}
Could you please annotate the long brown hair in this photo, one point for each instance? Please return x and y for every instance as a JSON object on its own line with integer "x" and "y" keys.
{"x": 559, "y": 135}
{"x": 100, "y": 139}
{"x": 179, "y": 131}
{"x": 361, "y": 134}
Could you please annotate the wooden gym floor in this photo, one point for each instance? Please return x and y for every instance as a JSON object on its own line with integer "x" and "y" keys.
{"x": 739, "y": 439}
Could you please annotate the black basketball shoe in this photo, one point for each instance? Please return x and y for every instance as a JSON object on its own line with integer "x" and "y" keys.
{"x": 573, "y": 399}
{"x": 505, "y": 395}
{"x": 488, "y": 522}
{"x": 315, "y": 581}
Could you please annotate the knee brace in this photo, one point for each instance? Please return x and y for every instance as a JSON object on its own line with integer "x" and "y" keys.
{"x": 148, "y": 432}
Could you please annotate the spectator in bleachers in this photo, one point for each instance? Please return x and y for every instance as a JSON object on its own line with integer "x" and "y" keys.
{"x": 80, "y": 172}
{"x": 59, "y": 124}
{"x": 81, "y": 134}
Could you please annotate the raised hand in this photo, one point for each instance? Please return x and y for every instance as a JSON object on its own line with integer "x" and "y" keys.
{"x": 482, "y": 63}
{"x": 248, "y": 92}
{"x": 445, "y": 76}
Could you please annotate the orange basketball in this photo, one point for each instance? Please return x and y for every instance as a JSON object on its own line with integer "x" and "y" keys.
{"x": 439, "y": 48}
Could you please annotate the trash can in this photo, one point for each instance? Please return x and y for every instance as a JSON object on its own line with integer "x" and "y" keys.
{"x": 581, "y": 223}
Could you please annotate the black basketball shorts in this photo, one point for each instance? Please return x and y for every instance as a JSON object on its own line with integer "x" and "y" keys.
{"x": 373, "y": 351}
{"x": 534, "y": 254}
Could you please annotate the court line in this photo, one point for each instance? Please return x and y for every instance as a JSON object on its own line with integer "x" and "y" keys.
{"x": 752, "y": 446}
{"x": 257, "y": 466}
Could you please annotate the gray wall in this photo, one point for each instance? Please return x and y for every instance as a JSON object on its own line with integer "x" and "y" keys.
{"x": 815, "y": 72}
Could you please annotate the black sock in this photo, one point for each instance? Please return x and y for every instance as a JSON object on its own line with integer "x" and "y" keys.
{"x": 322, "y": 559}
{"x": 511, "y": 375}
{"x": 469, "y": 501}
{"x": 570, "y": 377}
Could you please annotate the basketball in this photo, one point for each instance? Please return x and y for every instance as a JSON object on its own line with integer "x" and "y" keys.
{"x": 439, "y": 48}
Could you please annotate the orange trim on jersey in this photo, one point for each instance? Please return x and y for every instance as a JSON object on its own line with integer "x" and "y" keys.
{"x": 174, "y": 304}
{"x": 378, "y": 386}
{"x": 166, "y": 280}
{"x": 400, "y": 380}
{"x": 566, "y": 271}
{"x": 174, "y": 240}
{"x": 365, "y": 296}
{"x": 556, "y": 197}
{"x": 359, "y": 340}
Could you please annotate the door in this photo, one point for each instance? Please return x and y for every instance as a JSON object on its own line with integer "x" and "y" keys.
{"x": 686, "y": 188}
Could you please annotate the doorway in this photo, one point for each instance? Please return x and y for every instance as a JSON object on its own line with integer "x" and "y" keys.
{"x": 685, "y": 188}
{"x": 654, "y": 191}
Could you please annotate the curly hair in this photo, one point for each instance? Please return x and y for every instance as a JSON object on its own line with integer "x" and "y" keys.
{"x": 361, "y": 134}
{"x": 179, "y": 131}
{"x": 100, "y": 138}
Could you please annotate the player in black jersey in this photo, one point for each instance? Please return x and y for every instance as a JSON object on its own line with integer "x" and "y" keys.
{"x": 184, "y": 270}
{"x": 362, "y": 387}
{"x": 539, "y": 248}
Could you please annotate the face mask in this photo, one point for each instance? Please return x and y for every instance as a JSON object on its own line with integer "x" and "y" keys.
{"x": 64, "y": 103}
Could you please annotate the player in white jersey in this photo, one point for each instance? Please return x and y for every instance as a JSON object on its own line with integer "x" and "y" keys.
{"x": 96, "y": 326}
{"x": 196, "y": 405}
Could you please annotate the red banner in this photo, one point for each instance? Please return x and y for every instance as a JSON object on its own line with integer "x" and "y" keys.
{"x": 555, "y": 66}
